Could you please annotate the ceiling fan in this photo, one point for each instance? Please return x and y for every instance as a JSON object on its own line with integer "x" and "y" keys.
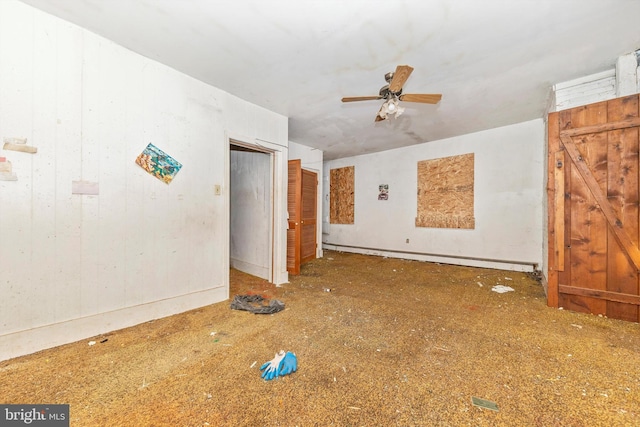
{"x": 392, "y": 93}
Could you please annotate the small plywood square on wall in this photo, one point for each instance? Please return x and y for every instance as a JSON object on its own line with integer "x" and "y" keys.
{"x": 341, "y": 195}
{"x": 445, "y": 192}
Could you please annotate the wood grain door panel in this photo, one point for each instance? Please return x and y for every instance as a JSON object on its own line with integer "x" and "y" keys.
{"x": 301, "y": 203}
{"x": 594, "y": 220}
{"x": 309, "y": 214}
{"x": 294, "y": 230}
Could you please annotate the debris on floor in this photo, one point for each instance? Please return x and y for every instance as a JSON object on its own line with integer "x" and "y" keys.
{"x": 501, "y": 289}
{"x": 483, "y": 403}
{"x": 255, "y": 304}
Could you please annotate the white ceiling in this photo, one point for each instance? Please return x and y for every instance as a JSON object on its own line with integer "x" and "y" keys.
{"x": 494, "y": 61}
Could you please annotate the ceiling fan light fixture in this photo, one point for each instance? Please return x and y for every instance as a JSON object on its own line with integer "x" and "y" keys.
{"x": 392, "y": 94}
{"x": 390, "y": 107}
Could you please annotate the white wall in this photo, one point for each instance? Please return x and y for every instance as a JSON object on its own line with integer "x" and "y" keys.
{"x": 585, "y": 90}
{"x": 617, "y": 82}
{"x": 251, "y": 213}
{"x": 508, "y": 192}
{"x": 311, "y": 159}
{"x": 73, "y": 266}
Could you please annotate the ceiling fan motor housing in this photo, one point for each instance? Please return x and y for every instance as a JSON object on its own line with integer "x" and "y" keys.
{"x": 385, "y": 92}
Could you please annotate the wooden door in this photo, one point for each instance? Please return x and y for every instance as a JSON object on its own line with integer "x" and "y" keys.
{"x": 301, "y": 204}
{"x": 593, "y": 209}
{"x": 308, "y": 244}
{"x": 294, "y": 234}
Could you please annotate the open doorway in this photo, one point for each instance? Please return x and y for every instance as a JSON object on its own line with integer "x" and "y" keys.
{"x": 251, "y": 210}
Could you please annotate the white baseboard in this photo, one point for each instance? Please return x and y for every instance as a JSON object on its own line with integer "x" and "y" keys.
{"x": 31, "y": 340}
{"x": 249, "y": 268}
{"x": 444, "y": 259}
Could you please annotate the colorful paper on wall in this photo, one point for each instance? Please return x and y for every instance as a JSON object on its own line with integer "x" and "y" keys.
{"x": 158, "y": 163}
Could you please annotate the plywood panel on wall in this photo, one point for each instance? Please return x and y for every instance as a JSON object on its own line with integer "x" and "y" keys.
{"x": 445, "y": 192}
{"x": 341, "y": 195}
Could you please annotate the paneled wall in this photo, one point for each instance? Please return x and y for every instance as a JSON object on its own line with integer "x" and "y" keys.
{"x": 73, "y": 265}
{"x": 622, "y": 80}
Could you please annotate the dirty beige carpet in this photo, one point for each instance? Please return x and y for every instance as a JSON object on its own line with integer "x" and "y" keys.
{"x": 380, "y": 342}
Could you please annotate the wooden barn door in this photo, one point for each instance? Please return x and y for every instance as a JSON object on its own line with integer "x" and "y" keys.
{"x": 594, "y": 217}
{"x": 301, "y": 205}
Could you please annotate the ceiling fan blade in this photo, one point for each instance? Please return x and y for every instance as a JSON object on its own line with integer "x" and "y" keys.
{"x": 432, "y": 98}
{"x": 378, "y": 118}
{"x": 400, "y": 77}
{"x": 360, "y": 98}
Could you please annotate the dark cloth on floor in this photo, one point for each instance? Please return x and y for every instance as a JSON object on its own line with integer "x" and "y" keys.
{"x": 255, "y": 304}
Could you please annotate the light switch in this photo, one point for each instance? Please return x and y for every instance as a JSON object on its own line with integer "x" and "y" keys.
{"x": 217, "y": 190}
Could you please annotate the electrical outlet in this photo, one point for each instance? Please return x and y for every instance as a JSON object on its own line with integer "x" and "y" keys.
{"x": 407, "y": 240}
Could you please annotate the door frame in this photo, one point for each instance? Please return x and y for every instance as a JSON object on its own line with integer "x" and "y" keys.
{"x": 278, "y": 229}
{"x": 261, "y": 236}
